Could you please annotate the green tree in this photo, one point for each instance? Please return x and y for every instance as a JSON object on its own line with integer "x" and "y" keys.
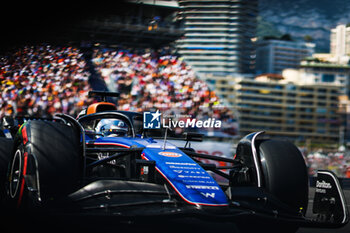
{"x": 308, "y": 38}
{"x": 287, "y": 37}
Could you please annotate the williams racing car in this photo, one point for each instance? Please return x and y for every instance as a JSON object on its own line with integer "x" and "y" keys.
{"x": 104, "y": 163}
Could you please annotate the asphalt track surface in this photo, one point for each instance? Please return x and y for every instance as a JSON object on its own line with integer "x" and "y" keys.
{"x": 74, "y": 225}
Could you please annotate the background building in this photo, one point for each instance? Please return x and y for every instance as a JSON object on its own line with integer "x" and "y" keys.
{"x": 273, "y": 56}
{"x": 314, "y": 71}
{"x": 286, "y": 108}
{"x": 340, "y": 43}
{"x": 218, "y": 35}
{"x": 344, "y": 111}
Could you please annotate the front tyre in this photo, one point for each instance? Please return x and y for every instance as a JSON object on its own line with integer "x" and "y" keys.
{"x": 285, "y": 173}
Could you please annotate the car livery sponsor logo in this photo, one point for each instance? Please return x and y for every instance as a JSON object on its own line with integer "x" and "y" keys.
{"x": 323, "y": 184}
{"x": 194, "y": 177}
{"x": 212, "y": 195}
{"x": 170, "y": 154}
{"x": 202, "y": 187}
{"x": 176, "y": 163}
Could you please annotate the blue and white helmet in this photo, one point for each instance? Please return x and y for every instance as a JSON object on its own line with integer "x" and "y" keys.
{"x": 112, "y": 127}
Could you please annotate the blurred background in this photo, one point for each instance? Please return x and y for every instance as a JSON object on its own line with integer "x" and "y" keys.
{"x": 277, "y": 66}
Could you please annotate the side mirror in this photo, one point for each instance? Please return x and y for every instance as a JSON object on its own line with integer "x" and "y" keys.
{"x": 193, "y": 137}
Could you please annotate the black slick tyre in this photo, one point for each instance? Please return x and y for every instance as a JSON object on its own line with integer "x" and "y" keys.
{"x": 285, "y": 178}
{"x": 5, "y": 156}
{"x": 285, "y": 173}
{"x": 46, "y": 160}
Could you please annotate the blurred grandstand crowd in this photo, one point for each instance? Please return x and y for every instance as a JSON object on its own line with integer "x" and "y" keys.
{"x": 337, "y": 162}
{"x": 43, "y": 80}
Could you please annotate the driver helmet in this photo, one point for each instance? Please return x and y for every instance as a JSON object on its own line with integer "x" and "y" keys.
{"x": 112, "y": 128}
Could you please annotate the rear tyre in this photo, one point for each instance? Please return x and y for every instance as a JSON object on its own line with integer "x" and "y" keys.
{"x": 5, "y": 157}
{"x": 285, "y": 173}
{"x": 48, "y": 152}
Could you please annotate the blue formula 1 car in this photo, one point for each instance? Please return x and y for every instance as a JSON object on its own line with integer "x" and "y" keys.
{"x": 104, "y": 163}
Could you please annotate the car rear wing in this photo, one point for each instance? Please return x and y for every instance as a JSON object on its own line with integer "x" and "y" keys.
{"x": 103, "y": 94}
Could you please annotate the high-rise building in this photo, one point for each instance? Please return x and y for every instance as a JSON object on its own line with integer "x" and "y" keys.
{"x": 273, "y": 56}
{"x": 219, "y": 35}
{"x": 340, "y": 43}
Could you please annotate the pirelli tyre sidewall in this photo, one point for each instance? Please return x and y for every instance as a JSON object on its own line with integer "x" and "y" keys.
{"x": 284, "y": 172}
{"x": 16, "y": 186}
{"x": 47, "y": 152}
